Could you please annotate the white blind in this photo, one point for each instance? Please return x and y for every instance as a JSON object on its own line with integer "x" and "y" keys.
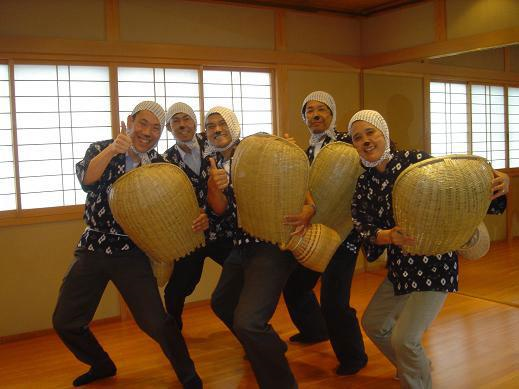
{"x": 248, "y": 94}
{"x": 165, "y": 86}
{"x": 60, "y": 110}
{"x": 449, "y": 127}
{"x": 7, "y": 179}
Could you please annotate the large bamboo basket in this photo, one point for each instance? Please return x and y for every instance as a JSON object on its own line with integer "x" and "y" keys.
{"x": 440, "y": 201}
{"x": 333, "y": 177}
{"x": 315, "y": 248}
{"x": 155, "y": 205}
{"x": 478, "y": 245}
{"x": 162, "y": 271}
{"x": 270, "y": 179}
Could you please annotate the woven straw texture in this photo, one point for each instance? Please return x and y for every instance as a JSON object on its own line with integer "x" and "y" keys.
{"x": 478, "y": 245}
{"x": 440, "y": 201}
{"x": 270, "y": 179}
{"x": 333, "y": 177}
{"x": 155, "y": 205}
{"x": 315, "y": 248}
{"x": 162, "y": 271}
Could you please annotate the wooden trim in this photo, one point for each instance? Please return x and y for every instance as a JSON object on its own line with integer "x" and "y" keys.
{"x": 280, "y": 30}
{"x": 440, "y": 20}
{"x": 112, "y": 28}
{"x": 506, "y": 59}
{"x": 442, "y": 48}
{"x": 35, "y": 334}
{"x": 445, "y": 72}
{"x": 14, "y": 135}
{"x": 114, "y": 100}
{"x": 154, "y": 53}
{"x": 43, "y": 215}
{"x": 281, "y": 93}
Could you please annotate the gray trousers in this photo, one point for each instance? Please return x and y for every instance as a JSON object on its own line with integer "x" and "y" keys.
{"x": 396, "y": 325}
{"x": 253, "y": 277}
{"x": 131, "y": 273}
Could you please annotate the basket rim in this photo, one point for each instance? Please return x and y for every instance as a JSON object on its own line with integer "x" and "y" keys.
{"x": 147, "y": 166}
{"x": 433, "y": 160}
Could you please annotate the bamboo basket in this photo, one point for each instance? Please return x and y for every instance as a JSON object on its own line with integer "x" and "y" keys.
{"x": 333, "y": 178}
{"x": 162, "y": 271}
{"x": 155, "y": 205}
{"x": 478, "y": 245}
{"x": 270, "y": 179}
{"x": 441, "y": 201}
{"x": 315, "y": 248}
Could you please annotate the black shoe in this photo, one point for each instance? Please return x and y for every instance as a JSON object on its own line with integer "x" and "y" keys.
{"x": 350, "y": 370}
{"x": 300, "y": 338}
{"x": 98, "y": 372}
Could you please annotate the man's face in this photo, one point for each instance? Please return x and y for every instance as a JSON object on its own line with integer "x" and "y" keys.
{"x": 218, "y": 133}
{"x": 182, "y": 127}
{"x": 144, "y": 130}
{"x": 317, "y": 116}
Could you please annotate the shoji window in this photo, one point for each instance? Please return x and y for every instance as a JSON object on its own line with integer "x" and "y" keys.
{"x": 449, "y": 127}
{"x": 513, "y": 126}
{"x": 488, "y": 123}
{"x": 7, "y": 180}
{"x": 60, "y": 110}
{"x": 248, "y": 94}
{"x": 165, "y": 86}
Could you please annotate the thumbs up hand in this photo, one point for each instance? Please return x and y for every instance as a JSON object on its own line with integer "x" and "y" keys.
{"x": 289, "y": 138}
{"x": 218, "y": 178}
{"x": 122, "y": 143}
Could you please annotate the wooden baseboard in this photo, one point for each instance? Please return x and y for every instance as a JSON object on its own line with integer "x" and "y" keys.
{"x": 38, "y": 333}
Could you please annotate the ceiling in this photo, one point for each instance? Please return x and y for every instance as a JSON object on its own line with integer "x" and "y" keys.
{"x": 345, "y": 7}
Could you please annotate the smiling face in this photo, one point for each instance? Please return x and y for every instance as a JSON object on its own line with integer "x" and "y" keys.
{"x": 218, "y": 133}
{"x": 145, "y": 130}
{"x": 317, "y": 116}
{"x": 182, "y": 127}
{"x": 368, "y": 140}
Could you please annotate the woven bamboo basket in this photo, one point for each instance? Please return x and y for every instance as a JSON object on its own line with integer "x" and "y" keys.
{"x": 155, "y": 205}
{"x": 440, "y": 201}
{"x": 315, "y": 248}
{"x": 270, "y": 179}
{"x": 162, "y": 271}
{"x": 333, "y": 177}
{"x": 478, "y": 245}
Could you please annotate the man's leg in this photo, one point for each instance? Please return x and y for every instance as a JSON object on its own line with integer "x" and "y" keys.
{"x": 266, "y": 269}
{"x": 137, "y": 284}
{"x": 185, "y": 277}
{"x": 341, "y": 318}
{"x": 303, "y": 307}
{"x": 421, "y": 308}
{"x": 78, "y": 299}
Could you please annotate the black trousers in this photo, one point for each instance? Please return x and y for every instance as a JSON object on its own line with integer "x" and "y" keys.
{"x": 187, "y": 273}
{"x": 131, "y": 273}
{"x": 245, "y": 299}
{"x": 335, "y": 316}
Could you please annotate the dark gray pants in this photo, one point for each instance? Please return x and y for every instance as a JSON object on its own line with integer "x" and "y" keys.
{"x": 131, "y": 273}
{"x": 245, "y": 299}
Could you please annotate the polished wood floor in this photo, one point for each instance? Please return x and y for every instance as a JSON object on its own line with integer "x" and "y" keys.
{"x": 474, "y": 343}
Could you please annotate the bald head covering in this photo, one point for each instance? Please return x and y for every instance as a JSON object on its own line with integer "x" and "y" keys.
{"x": 232, "y": 122}
{"x": 327, "y": 99}
{"x": 157, "y": 110}
{"x": 180, "y": 107}
{"x": 375, "y": 119}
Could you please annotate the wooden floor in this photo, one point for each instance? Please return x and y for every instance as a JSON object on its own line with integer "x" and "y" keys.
{"x": 474, "y": 343}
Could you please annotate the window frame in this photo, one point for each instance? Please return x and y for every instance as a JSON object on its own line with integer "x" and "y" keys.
{"x": 20, "y": 216}
{"x": 513, "y": 171}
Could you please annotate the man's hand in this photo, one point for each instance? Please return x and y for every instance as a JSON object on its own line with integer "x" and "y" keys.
{"x": 300, "y": 221}
{"x": 218, "y": 178}
{"x": 201, "y": 223}
{"x": 122, "y": 143}
{"x": 500, "y": 184}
